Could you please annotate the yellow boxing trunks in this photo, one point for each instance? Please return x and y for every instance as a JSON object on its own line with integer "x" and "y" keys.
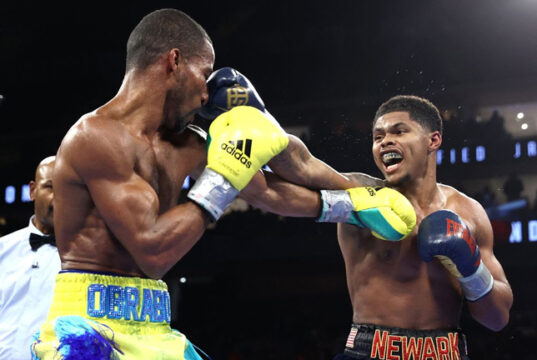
{"x": 104, "y": 316}
{"x": 367, "y": 341}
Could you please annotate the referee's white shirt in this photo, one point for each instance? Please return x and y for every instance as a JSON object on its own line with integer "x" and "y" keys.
{"x": 27, "y": 281}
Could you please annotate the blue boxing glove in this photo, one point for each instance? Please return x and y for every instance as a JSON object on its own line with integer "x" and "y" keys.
{"x": 229, "y": 88}
{"x": 443, "y": 235}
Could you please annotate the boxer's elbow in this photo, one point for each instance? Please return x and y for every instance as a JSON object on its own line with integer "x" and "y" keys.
{"x": 157, "y": 250}
{"x": 502, "y": 318}
{"x": 496, "y": 323}
{"x": 500, "y": 325}
{"x": 493, "y": 310}
{"x": 153, "y": 274}
{"x": 153, "y": 261}
{"x": 505, "y": 302}
{"x": 153, "y": 268}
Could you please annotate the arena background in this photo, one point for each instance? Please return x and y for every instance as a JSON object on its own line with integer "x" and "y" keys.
{"x": 258, "y": 286}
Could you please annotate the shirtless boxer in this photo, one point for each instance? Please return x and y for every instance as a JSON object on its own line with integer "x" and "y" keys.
{"x": 118, "y": 176}
{"x": 406, "y": 306}
{"x": 407, "y": 296}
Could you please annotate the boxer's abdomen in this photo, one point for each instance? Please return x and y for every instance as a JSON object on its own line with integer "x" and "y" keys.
{"x": 390, "y": 285}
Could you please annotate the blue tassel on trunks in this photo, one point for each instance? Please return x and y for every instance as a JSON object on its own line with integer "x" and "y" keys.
{"x": 84, "y": 339}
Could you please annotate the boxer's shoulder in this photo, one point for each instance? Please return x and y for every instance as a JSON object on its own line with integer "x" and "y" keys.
{"x": 469, "y": 209}
{"x": 95, "y": 127}
{"x": 96, "y": 143}
{"x": 455, "y": 197}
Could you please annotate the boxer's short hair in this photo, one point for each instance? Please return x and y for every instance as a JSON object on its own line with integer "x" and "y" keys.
{"x": 160, "y": 31}
{"x": 419, "y": 109}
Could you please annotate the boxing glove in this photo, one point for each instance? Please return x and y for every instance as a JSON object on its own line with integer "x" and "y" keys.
{"x": 239, "y": 142}
{"x": 386, "y": 212}
{"x": 443, "y": 235}
{"x": 228, "y": 88}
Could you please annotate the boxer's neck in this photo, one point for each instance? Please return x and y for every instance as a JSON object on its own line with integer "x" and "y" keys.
{"x": 423, "y": 191}
{"x": 140, "y": 100}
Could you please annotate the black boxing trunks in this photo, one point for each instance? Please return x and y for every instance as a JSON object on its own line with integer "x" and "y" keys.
{"x": 366, "y": 341}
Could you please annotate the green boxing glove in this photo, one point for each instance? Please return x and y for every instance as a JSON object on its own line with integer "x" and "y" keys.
{"x": 385, "y": 211}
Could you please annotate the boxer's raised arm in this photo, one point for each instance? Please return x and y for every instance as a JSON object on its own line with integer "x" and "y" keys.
{"x": 296, "y": 164}
{"x": 104, "y": 154}
{"x": 269, "y": 192}
{"x": 385, "y": 211}
{"x": 229, "y": 88}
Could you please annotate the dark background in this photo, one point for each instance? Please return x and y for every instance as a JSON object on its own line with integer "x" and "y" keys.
{"x": 260, "y": 286}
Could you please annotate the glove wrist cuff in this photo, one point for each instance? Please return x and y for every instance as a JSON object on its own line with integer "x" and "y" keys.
{"x": 213, "y": 193}
{"x": 336, "y": 206}
{"x": 478, "y": 284}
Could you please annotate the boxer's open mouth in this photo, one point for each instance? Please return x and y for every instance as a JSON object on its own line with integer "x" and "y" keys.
{"x": 391, "y": 159}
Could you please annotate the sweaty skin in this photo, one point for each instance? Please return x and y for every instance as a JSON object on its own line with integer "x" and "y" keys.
{"x": 389, "y": 284}
{"x": 120, "y": 169}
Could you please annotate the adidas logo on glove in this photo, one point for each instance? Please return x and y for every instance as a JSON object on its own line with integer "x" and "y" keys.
{"x": 241, "y": 151}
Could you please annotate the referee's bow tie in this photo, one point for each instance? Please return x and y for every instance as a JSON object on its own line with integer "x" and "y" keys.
{"x": 36, "y": 240}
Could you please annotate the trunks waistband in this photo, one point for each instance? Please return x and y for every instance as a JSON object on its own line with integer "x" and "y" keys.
{"x": 367, "y": 341}
{"x": 111, "y": 299}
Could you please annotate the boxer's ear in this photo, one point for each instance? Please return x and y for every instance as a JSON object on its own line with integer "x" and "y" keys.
{"x": 174, "y": 59}
{"x": 435, "y": 140}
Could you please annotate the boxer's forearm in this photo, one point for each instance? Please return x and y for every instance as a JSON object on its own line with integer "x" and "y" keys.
{"x": 271, "y": 193}
{"x": 157, "y": 246}
{"x": 297, "y": 165}
{"x": 492, "y": 311}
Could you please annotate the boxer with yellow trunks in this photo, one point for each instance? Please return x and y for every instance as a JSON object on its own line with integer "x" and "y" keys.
{"x": 110, "y": 317}
{"x": 118, "y": 178}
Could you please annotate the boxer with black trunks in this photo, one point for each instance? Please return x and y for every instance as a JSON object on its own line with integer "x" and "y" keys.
{"x": 118, "y": 175}
{"x": 407, "y": 296}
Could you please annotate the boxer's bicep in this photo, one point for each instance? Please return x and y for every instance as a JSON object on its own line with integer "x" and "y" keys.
{"x": 291, "y": 162}
{"x": 129, "y": 206}
{"x": 125, "y": 201}
{"x": 297, "y": 165}
{"x": 361, "y": 179}
{"x": 485, "y": 239}
{"x": 156, "y": 241}
{"x": 492, "y": 310}
{"x": 130, "y": 209}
